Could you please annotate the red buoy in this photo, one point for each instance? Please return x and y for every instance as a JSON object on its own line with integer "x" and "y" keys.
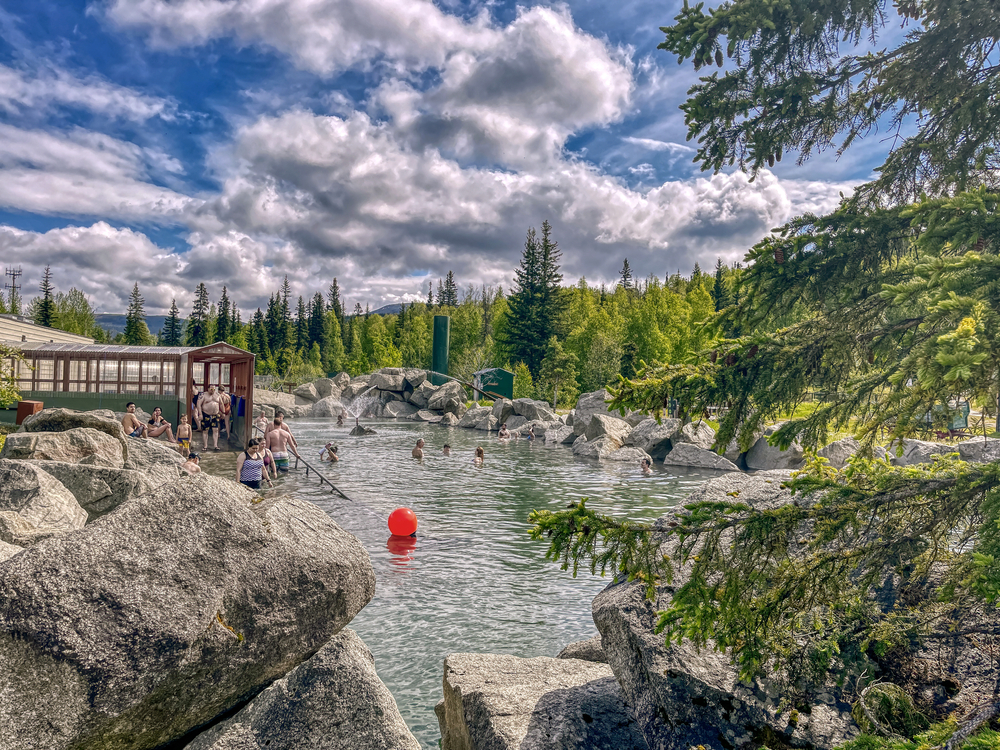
{"x": 402, "y": 522}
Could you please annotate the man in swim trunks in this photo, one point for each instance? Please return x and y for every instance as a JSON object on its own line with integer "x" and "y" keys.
{"x": 279, "y": 442}
{"x": 418, "y": 452}
{"x": 130, "y": 422}
{"x": 227, "y": 406}
{"x": 279, "y": 423}
{"x": 184, "y": 435}
{"x": 157, "y": 425}
{"x": 210, "y": 405}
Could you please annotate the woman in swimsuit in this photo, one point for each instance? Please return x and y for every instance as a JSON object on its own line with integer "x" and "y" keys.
{"x": 250, "y": 469}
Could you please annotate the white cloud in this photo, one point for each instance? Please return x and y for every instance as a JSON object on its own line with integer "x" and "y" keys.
{"x": 24, "y": 91}
{"x": 83, "y": 173}
{"x": 322, "y": 36}
{"x": 655, "y": 145}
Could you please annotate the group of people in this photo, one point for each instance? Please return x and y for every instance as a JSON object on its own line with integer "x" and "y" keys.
{"x": 210, "y": 412}
{"x": 503, "y": 434}
{"x": 157, "y": 426}
{"x": 418, "y": 452}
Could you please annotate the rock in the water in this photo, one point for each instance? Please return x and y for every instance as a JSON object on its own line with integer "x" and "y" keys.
{"x": 422, "y": 394}
{"x": 386, "y": 381}
{"x": 980, "y": 450}
{"x": 612, "y": 428}
{"x": 532, "y": 409}
{"x": 627, "y": 455}
{"x": 450, "y": 397}
{"x": 307, "y": 392}
{"x": 602, "y": 447}
{"x": 332, "y": 701}
{"x": 695, "y": 433}
{"x": 38, "y": 497}
{"x": 516, "y": 422}
{"x": 915, "y": 452}
{"x": 474, "y": 416}
{"x": 60, "y": 420}
{"x": 763, "y": 456}
{"x": 414, "y": 378}
{"x": 356, "y": 387}
{"x": 330, "y": 406}
{"x": 76, "y": 445}
{"x": 487, "y": 423}
{"x": 449, "y": 420}
{"x": 502, "y": 410}
{"x": 360, "y": 429}
{"x": 588, "y": 650}
{"x": 425, "y": 415}
{"x": 156, "y": 618}
{"x": 505, "y": 703}
{"x": 326, "y": 387}
{"x": 682, "y": 696}
{"x": 277, "y": 400}
{"x": 689, "y": 454}
{"x": 587, "y": 406}
{"x": 400, "y": 410}
{"x": 560, "y": 435}
{"x": 656, "y": 438}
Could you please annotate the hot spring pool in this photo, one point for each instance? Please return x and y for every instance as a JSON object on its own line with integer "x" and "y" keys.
{"x": 473, "y": 580}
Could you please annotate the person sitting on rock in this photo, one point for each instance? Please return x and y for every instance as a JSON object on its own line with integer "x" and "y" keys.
{"x": 418, "y": 451}
{"x": 130, "y": 422}
{"x": 157, "y": 425}
{"x": 191, "y": 465}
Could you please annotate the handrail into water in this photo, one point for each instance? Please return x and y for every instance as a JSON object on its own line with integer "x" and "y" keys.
{"x": 321, "y": 475}
{"x": 467, "y": 384}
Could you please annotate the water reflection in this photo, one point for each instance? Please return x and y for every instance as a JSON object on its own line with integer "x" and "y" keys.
{"x": 472, "y": 580}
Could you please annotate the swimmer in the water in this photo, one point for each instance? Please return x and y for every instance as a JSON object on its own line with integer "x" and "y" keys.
{"x": 480, "y": 456}
{"x": 447, "y": 450}
{"x": 646, "y": 465}
{"x": 504, "y": 433}
{"x": 418, "y": 451}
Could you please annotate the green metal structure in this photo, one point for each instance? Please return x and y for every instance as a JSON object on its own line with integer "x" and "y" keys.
{"x": 495, "y": 380}
{"x": 439, "y": 349}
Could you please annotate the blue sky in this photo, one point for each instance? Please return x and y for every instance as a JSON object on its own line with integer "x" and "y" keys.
{"x": 384, "y": 142}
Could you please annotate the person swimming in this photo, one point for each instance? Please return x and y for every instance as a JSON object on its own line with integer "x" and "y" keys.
{"x": 646, "y": 466}
{"x": 503, "y": 433}
{"x": 480, "y": 456}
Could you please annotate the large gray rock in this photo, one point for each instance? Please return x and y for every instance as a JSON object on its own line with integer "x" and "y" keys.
{"x": 980, "y": 450}
{"x": 449, "y": 420}
{"x": 422, "y": 394}
{"x": 656, "y": 438}
{"x": 38, "y": 497}
{"x": 60, "y": 420}
{"x": 689, "y": 454}
{"x": 532, "y": 409}
{"x": 612, "y": 428}
{"x": 695, "y": 433}
{"x": 627, "y": 455}
{"x": 399, "y": 410}
{"x": 16, "y": 530}
{"x": 307, "y": 392}
{"x": 602, "y": 447}
{"x": 917, "y": 452}
{"x": 541, "y": 428}
{"x": 587, "y": 406}
{"x": 161, "y": 460}
{"x": 426, "y": 415}
{"x": 333, "y": 701}
{"x": 474, "y": 416}
{"x": 356, "y": 387}
{"x": 414, "y": 378}
{"x": 763, "y": 456}
{"x": 560, "y": 435}
{"x": 487, "y": 423}
{"x": 274, "y": 399}
{"x": 100, "y": 489}
{"x": 326, "y": 387}
{"x": 516, "y": 422}
{"x": 76, "y": 445}
{"x": 506, "y": 703}
{"x": 588, "y": 650}
{"x": 158, "y": 617}
{"x": 388, "y": 381}
{"x": 331, "y": 406}
{"x": 502, "y": 410}
{"x": 449, "y": 397}
{"x": 682, "y": 696}
{"x": 341, "y": 380}
{"x": 7, "y": 551}
{"x": 839, "y": 451}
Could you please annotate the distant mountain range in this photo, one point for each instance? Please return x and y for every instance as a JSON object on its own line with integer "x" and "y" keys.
{"x": 389, "y": 309}
{"x": 115, "y": 322}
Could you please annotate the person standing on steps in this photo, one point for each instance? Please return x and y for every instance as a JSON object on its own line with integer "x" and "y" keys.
{"x": 279, "y": 442}
{"x": 210, "y": 405}
{"x": 250, "y": 469}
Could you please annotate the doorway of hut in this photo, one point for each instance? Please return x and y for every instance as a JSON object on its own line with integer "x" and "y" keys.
{"x": 226, "y": 365}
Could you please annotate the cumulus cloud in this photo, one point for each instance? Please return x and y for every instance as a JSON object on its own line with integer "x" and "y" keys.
{"x": 82, "y": 172}
{"x": 39, "y": 91}
{"x": 322, "y": 36}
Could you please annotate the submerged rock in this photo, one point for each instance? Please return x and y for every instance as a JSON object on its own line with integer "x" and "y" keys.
{"x": 156, "y": 618}
{"x": 333, "y": 700}
{"x": 361, "y": 430}
{"x": 506, "y": 703}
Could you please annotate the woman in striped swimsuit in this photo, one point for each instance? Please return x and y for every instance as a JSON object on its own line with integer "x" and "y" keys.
{"x": 250, "y": 466}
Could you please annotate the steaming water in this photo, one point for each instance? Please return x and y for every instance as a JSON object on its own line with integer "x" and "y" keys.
{"x": 472, "y": 581}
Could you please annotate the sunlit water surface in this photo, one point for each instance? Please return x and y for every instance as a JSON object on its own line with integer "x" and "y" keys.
{"x": 472, "y": 581}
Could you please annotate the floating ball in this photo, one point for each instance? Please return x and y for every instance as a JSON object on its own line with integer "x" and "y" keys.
{"x": 402, "y": 522}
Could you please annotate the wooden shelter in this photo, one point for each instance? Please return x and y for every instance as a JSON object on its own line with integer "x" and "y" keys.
{"x": 107, "y": 376}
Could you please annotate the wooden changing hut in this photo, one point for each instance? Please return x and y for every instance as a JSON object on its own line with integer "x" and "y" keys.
{"x": 107, "y": 376}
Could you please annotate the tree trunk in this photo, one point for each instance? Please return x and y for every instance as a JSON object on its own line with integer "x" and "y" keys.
{"x": 555, "y": 395}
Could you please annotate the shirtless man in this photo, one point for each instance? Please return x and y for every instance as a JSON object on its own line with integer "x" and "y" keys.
{"x": 260, "y": 425}
{"x": 191, "y": 465}
{"x": 227, "y": 406}
{"x": 279, "y": 442}
{"x": 158, "y": 425}
{"x": 184, "y": 435}
{"x": 279, "y": 423}
{"x": 418, "y": 452}
{"x": 209, "y": 404}
{"x": 130, "y": 422}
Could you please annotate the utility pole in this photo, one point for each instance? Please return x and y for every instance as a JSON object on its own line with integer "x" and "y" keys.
{"x": 13, "y": 288}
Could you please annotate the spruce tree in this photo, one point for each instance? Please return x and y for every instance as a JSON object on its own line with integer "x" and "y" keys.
{"x": 558, "y": 370}
{"x": 225, "y": 319}
{"x": 523, "y": 327}
{"x": 197, "y": 325}
{"x": 450, "y": 290}
{"x": 136, "y": 331}
{"x": 274, "y": 323}
{"x": 721, "y": 295}
{"x": 626, "y": 275}
{"x": 334, "y": 303}
{"x": 440, "y": 298}
{"x": 45, "y": 308}
{"x": 430, "y": 293}
{"x": 302, "y": 342}
{"x": 287, "y": 330}
{"x": 172, "y": 333}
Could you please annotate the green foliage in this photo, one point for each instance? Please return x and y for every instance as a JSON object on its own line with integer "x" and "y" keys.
{"x": 44, "y": 312}
{"x": 523, "y": 385}
{"x": 935, "y": 736}
{"x": 558, "y": 370}
{"x": 9, "y": 392}
{"x": 172, "y": 334}
{"x": 136, "y": 331}
{"x": 198, "y": 323}
{"x": 886, "y": 709}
